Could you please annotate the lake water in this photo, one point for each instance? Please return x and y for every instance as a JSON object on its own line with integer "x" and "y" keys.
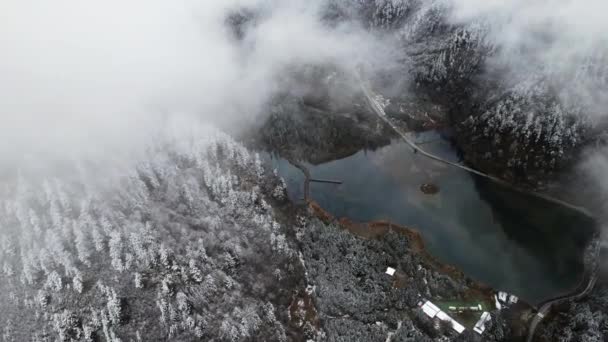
{"x": 504, "y": 239}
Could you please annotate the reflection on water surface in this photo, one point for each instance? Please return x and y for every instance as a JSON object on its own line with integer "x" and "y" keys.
{"x": 507, "y": 240}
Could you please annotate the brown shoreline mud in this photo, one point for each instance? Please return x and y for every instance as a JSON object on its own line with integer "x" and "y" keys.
{"x": 377, "y": 229}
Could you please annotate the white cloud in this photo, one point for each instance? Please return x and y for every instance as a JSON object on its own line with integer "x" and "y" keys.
{"x": 564, "y": 40}
{"x": 87, "y": 76}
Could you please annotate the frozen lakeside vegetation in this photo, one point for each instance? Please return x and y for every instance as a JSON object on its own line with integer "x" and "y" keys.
{"x": 181, "y": 245}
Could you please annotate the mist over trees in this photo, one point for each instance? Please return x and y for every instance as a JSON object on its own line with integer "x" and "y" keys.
{"x": 182, "y": 244}
{"x": 510, "y": 77}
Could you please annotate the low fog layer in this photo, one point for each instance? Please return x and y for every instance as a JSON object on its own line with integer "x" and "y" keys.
{"x": 102, "y": 76}
{"x": 99, "y": 77}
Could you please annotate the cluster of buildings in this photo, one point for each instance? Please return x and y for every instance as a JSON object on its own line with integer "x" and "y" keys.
{"x": 433, "y": 311}
{"x": 502, "y": 300}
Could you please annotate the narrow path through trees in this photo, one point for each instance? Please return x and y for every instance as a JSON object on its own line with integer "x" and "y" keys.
{"x": 378, "y": 109}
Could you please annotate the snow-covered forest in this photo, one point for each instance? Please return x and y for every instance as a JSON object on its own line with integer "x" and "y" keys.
{"x": 181, "y": 244}
{"x": 526, "y": 94}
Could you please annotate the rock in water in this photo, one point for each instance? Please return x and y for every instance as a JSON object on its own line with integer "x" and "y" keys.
{"x": 429, "y": 188}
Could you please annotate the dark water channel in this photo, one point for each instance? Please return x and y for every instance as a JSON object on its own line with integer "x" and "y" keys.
{"x": 507, "y": 240}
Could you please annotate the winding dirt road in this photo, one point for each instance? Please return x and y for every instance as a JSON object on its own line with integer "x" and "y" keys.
{"x": 582, "y": 290}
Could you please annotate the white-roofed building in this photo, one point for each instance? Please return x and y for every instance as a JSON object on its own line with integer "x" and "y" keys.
{"x": 433, "y": 311}
{"x": 443, "y": 316}
{"x": 505, "y": 300}
{"x": 430, "y": 309}
{"x": 457, "y": 326}
{"x": 480, "y": 326}
{"x": 497, "y": 302}
{"x": 390, "y": 271}
{"x": 435, "y": 307}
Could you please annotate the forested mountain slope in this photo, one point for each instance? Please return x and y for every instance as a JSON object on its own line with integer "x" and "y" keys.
{"x": 180, "y": 245}
{"x": 521, "y": 108}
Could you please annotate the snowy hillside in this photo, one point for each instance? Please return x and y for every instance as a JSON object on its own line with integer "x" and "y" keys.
{"x": 180, "y": 245}
{"x": 532, "y": 101}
